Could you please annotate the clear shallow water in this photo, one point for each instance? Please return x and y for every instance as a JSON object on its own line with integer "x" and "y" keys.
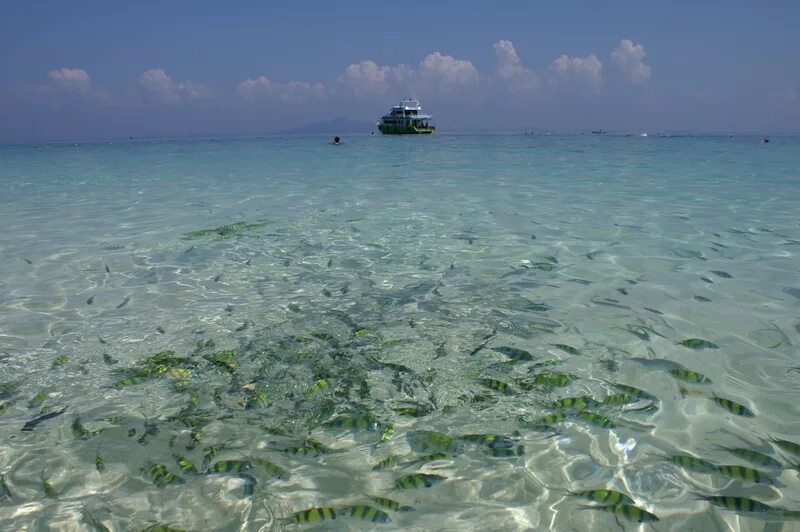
{"x": 383, "y": 265}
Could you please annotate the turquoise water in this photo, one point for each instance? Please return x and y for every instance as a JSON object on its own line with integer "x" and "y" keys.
{"x": 331, "y": 307}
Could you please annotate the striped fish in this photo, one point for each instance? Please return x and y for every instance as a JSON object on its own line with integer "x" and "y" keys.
{"x": 733, "y": 407}
{"x": 367, "y": 513}
{"x": 743, "y": 473}
{"x": 313, "y": 515}
{"x": 603, "y": 495}
{"x": 740, "y": 504}
{"x": 417, "y": 480}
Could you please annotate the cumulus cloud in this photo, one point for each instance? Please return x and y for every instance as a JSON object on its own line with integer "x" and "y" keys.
{"x": 587, "y": 70}
{"x": 292, "y": 92}
{"x": 367, "y": 77}
{"x": 445, "y": 72}
{"x": 628, "y": 58}
{"x": 436, "y": 72}
{"x": 158, "y": 87}
{"x": 71, "y": 79}
{"x": 510, "y": 67}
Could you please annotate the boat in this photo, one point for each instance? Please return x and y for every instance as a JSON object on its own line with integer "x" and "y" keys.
{"x": 406, "y": 119}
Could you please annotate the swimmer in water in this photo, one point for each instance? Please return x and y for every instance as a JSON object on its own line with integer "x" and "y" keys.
{"x": 337, "y": 140}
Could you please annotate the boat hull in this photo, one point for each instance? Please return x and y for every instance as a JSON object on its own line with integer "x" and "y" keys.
{"x": 405, "y": 130}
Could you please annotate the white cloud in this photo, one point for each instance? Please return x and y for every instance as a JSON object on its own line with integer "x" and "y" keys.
{"x": 628, "y": 57}
{"x": 71, "y": 79}
{"x": 445, "y": 72}
{"x": 587, "y": 70}
{"x": 367, "y": 77}
{"x": 436, "y": 72}
{"x": 252, "y": 89}
{"x": 158, "y": 87}
{"x": 510, "y": 67}
{"x": 292, "y": 92}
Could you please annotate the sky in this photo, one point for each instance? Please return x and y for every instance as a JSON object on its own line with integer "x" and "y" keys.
{"x": 95, "y": 69}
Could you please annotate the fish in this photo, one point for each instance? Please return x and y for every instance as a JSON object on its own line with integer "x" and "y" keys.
{"x": 249, "y": 484}
{"x": 428, "y": 441}
{"x": 689, "y": 376}
{"x": 108, "y": 359}
{"x": 160, "y": 475}
{"x": 505, "y": 452}
{"x": 788, "y": 446}
{"x": 497, "y": 385}
{"x": 271, "y": 469}
{"x": 185, "y": 464}
{"x": 743, "y": 473}
{"x": 418, "y": 480}
{"x": 724, "y": 275}
{"x": 567, "y": 349}
{"x": 37, "y": 399}
{"x": 493, "y": 441}
{"x": 698, "y": 343}
{"x": 359, "y": 421}
{"x": 753, "y": 457}
{"x": 702, "y": 299}
{"x": 638, "y": 331}
{"x": 5, "y": 492}
{"x": 387, "y": 462}
{"x": 319, "y": 386}
{"x": 544, "y": 364}
{"x": 733, "y": 407}
{"x": 578, "y": 403}
{"x": 603, "y": 495}
{"x": 81, "y": 432}
{"x": 26, "y": 260}
{"x": 596, "y": 419}
{"x": 130, "y": 381}
{"x": 225, "y": 359}
{"x": 6, "y": 405}
{"x": 99, "y": 462}
{"x": 90, "y": 300}
{"x": 124, "y": 302}
{"x": 548, "y": 378}
{"x": 8, "y": 389}
{"x": 108, "y": 270}
{"x": 413, "y": 411}
{"x": 740, "y": 504}
{"x": 60, "y": 361}
{"x": 210, "y": 452}
{"x": 627, "y": 511}
{"x": 619, "y": 399}
{"x": 519, "y": 355}
{"x": 549, "y": 420}
{"x": 49, "y": 491}
{"x": 390, "y": 504}
{"x": 30, "y": 425}
{"x": 367, "y": 513}
{"x": 302, "y": 451}
{"x": 313, "y": 515}
{"x": 485, "y": 340}
{"x": 692, "y": 463}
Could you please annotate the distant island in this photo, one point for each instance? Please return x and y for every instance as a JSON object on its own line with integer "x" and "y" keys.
{"x": 337, "y": 126}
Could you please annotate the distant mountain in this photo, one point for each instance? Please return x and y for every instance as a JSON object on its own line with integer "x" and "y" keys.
{"x": 337, "y": 126}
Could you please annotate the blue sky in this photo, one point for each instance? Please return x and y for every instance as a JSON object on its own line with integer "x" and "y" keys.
{"x": 97, "y": 69}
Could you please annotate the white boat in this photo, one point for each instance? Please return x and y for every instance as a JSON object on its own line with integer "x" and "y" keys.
{"x": 406, "y": 119}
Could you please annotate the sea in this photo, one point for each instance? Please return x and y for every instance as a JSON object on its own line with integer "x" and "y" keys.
{"x": 445, "y": 332}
